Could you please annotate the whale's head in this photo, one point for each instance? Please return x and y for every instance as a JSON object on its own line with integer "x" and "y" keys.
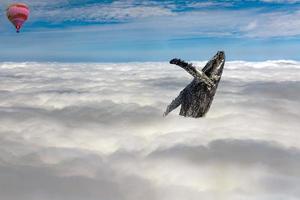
{"x": 215, "y": 65}
{"x": 220, "y": 55}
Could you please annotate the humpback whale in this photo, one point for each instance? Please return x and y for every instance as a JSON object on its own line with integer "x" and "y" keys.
{"x": 196, "y": 98}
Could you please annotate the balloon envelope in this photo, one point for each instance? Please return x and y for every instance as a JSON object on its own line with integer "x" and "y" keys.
{"x": 17, "y": 13}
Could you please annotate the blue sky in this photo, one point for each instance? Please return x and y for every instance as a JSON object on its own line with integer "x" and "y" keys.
{"x": 138, "y": 30}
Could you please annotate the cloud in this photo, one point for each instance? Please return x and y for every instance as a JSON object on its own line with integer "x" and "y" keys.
{"x": 157, "y": 16}
{"x": 217, "y": 22}
{"x": 243, "y": 153}
{"x": 207, "y": 4}
{"x": 62, "y": 11}
{"x": 281, "y": 1}
{"x": 278, "y": 24}
{"x": 115, "y": 12}
{"x": 226, "y": 161}
{"x": 82, "y": 177}
{"x": 86, "y": 31}
{"x": 95, "y": 130}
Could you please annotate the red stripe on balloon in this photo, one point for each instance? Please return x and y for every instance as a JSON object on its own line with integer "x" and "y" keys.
{"x": 20, "y": 15}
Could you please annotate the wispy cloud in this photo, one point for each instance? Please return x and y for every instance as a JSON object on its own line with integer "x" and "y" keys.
{"x": 210, "y": 4}
{"x": 281, "y": 1}
{"x": 276, "y": 24}
{"x": 114, "y": 12}
{"x": 164, "y": 17}
{"x": 152, "y": 30}
{"x": 90, "y": 11}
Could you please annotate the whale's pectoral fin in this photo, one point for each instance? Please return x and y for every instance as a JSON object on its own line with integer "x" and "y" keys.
{"x": 174, "y": 104}
{"x": 192, "y": 70}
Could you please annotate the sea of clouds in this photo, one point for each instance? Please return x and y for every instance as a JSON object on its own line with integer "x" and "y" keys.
{"x": 88, "y": 131}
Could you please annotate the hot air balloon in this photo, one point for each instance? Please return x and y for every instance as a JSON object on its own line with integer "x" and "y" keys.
{"x": 17, "y": 13}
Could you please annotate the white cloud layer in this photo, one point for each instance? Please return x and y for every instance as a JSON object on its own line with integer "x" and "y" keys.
{"x": 96, "y": 131}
